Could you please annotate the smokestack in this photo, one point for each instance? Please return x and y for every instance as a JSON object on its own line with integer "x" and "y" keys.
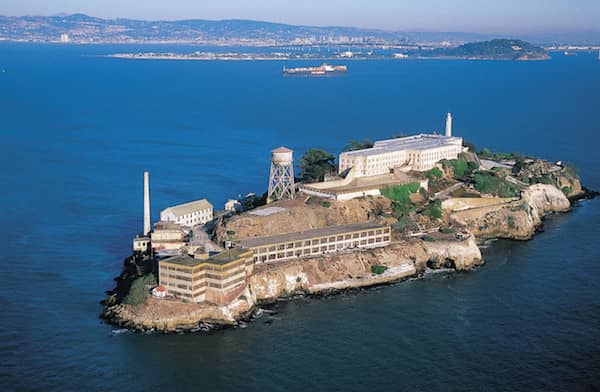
{"x": 146, "y": 203}
{"x": 449, "y": 125}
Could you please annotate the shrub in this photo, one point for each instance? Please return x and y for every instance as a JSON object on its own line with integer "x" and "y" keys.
{"x": 405, "y": 224}
{"x": 400, "y": 192}
{"x": 428, "y": 238}
{"x": 137, "y": 292}
{"x": 378, "y": 269}
{"x": 434, "y": 210}
{"x": 491, "y": 184}
{"x": 434, "y": 174}
{"x": 446, "y": 230}
{"x": 326, "y": 204}
{"x": 566, "y": 190}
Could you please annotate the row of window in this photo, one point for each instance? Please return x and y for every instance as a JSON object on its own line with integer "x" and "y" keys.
{"x": 307, "y": 251}
{"x": 324, "y": 240}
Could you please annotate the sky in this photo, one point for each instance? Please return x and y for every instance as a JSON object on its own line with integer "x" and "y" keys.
{"x": 483, "y": 16}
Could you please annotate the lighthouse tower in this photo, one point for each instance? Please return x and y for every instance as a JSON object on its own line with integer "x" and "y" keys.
{"x": 449, "y": 125}
{"x": 281, "y": 179}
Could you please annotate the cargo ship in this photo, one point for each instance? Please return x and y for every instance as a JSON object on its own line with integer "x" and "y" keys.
{"x": 322, "y": 70}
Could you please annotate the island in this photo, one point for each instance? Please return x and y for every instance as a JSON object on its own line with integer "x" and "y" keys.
{"x": 387, "y": 211}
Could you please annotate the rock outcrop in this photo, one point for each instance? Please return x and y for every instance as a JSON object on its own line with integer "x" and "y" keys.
{"x": 318, "y": 275}
{"x": 517, "y": 220}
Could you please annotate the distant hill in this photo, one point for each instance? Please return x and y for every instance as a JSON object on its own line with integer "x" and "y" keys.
{"x": 499, "y": 49}
{"x": 83, "y": 28}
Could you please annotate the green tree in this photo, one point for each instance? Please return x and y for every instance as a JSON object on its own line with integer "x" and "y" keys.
{"x": 314, "y": 164}
{"x": 356, "y": 145}
{"x": 471, "y": 146}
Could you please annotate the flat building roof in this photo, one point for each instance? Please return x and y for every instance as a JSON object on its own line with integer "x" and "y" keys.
{"x": 308, "y": 234}
{"x": 220, "y": 259}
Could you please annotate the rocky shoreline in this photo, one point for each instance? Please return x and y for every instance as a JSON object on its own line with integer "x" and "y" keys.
{"x": 333, "y": 274}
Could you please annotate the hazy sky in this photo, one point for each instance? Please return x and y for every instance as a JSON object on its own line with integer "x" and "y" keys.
{"x": 489, "y": 16}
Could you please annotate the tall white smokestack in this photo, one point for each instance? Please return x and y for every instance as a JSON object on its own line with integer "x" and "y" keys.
{"x": 449, "y": 125}
{"x": 146, "y": 203}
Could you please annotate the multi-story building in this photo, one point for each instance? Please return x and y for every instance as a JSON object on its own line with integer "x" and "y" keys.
{"x": 167, "y": 235}
{"x": 418, "y": 152}
{"x": 189, "y": 214}
{"x": 200, "y": 277}
{"x": 317, "y": 242}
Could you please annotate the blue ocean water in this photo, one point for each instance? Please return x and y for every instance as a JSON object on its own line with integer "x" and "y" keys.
{"x": 77, "y": 130}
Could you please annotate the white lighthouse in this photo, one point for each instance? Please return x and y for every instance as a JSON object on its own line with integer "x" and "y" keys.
{"x": 449, "y": 125}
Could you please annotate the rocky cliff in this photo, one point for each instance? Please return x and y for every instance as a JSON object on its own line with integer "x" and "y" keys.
{"x": 319, "y": 275}
{"x": 353, "y": 269}
{"x": 516, "y": 220}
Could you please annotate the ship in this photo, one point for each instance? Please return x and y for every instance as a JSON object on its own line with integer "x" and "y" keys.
{"x": 322, "y": 70}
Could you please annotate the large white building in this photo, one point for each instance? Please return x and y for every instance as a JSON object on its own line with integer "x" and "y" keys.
{"x": 418, "y": 152}
{"x": 189, "y": 214}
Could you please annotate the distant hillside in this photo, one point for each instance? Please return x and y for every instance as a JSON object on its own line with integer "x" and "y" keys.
{"x": 499, "y": 49}
{"x": 82, "y": 28}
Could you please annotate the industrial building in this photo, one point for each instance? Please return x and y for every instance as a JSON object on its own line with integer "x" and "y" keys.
{"x": 189, "y": 214}
{"x": 201, "y": 277}
{"x": 168, "y": 236}
{"x": 418, "y": 152}
{"x": 317, "y": 241}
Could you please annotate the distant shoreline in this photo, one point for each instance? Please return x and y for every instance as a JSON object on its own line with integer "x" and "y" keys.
{"x": 259, "y": 57}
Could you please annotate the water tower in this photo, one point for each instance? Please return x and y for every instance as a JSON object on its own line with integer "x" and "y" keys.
{"x": 281, "y": 180}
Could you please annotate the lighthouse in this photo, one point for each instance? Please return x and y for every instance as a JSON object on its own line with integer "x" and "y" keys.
{"x": 449, "y": 125}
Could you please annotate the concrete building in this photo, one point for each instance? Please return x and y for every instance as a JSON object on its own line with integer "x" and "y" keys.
{"x": 141, "y": 244}
{"x": 233, "y": 205}
{"x": 317, "y": 242}
{"x": 189, "y": 214}
{"x": 168, "y": 235}
{"x": 418, "y": 152}
{"x": 353, "y": 186}
{"x": 200, "y": 277}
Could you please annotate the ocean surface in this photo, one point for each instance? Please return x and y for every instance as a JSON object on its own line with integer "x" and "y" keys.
{"x": 77, "y": 130}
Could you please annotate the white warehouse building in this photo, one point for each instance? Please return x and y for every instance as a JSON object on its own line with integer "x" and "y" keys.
{"x": 418, "y": 152}
{"x": 189, "y": 214}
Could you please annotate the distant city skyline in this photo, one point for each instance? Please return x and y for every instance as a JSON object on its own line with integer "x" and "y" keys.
{"x": 482, "y": 16}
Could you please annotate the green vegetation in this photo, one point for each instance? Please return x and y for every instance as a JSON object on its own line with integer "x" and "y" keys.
{"x": 326, "y": 204}
{"x": 356, "y": 145}
{"x": 566, "y": 190}
{"x": 498, "y": 49}
{"x": 137, "y": 292}
{"x": 378, "y": 269}
{"x": 489, "y": 183}
{"x": 434, "y": 174}
{"x": 472, "y": 147}
{"x": 405, "y": 224}
{"x": 314, "y": 164}
{"x": 545, "y": 179}
{"x": 428, "y": 238}
{"x": 446, "y": 230}
{"x": 400, "y": 193}
{"x": 499, "y": 156}
{"x": 460, "y": 166}
{"x": 434, "y": 210}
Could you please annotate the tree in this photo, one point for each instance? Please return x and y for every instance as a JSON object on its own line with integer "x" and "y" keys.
{"x": 356, "y": 145}
{"x": 472, "y": 147}
{"x": 314, "y": 164}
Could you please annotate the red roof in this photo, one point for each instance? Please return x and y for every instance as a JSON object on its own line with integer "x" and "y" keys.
{"x": 282, "y": 149}
{"x": 160, "y": 288}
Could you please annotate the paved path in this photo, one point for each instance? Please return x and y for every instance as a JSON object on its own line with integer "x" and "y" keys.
{"x": 199, "y": 237}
